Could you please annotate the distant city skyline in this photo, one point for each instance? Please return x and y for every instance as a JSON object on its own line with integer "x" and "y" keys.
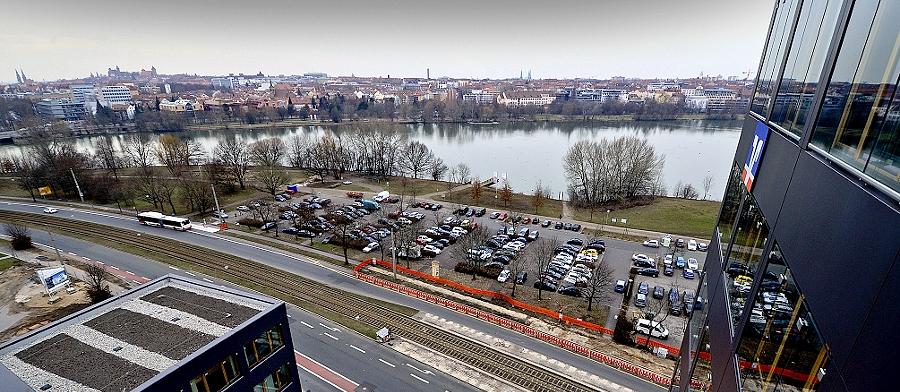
{"x": 565, "y": 39}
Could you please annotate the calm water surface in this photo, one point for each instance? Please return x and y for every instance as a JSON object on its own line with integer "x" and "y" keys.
{"x": 532, "y": 152}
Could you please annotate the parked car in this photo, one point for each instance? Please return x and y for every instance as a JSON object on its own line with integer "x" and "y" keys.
{"x": 640, "y": 300}
{"x": 50, "y": 210}
{"x": 620, "y": 286}
{"x": 370, "y": 247}
{"x": 679, "y": 262}
{"x": 643, "y": 288}
{"x": 558, "y": 226}
{"x": 521, "y": 277}
{"x": 651, "y": 243}
{"x": 533, "y": 235}
{"x": 243, "y": 208}
{"x": 659, "y": 292}
{"x": 679, "y": 243}
{"x": 644, "y": 263}
{"x": 430, "y": 250}
{"x": 702, "y": 246}
{"x": 545, "y": 284}
{"x": 494, "y": 215}
{"x": 652, "y": 272}
{"x": 305, "y": 234}
{"x": 569, "y": 290}
{"x": 692, "y": 245}
{"x": 268, "y": 226}
{"x": 290, "y": 230}
{"x": 480, "y": 212}
{"x": 545, "y": 223}
{"x": 575, "y": 242}
{"x": 653, "y": 328}
{"x": 526, "y": 220}
{"x": 504, "y": 276}
{"x": 693, "y": 264}
{"x": 687, "y": 273}
{"x": 668, "y": 270}
{"x": 673, "y": 295}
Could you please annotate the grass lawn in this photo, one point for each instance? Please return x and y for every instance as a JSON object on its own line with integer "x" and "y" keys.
{"x": 417, "y": 186}
{"x": 668, "y": 215}
{"x": 9, "y": 187}
{"x": 7, "y": 262}
{"x": 519, "y": 203}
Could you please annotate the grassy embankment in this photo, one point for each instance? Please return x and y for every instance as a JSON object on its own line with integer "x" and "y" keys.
{"x": 693, "y": 218}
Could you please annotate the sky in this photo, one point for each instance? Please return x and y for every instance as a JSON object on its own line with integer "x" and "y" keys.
{"x": 58, "y": 39}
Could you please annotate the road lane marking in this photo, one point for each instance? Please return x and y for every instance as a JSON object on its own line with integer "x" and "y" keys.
{"x": 420, "y": 370}
{"x": 386, "y": 363}
{"x": 208, "y": 280}
{"x": 330, "y": 335}
{"x": 357, "y": 349}
{"x": 190, "y": 273}
{"x": 136, "y": 281}
{"x": 419, "y": 378}
{"x": 329, "y": 328}
{"x": 114, "y": 267}
{"x": 129, "y": 272}
{"x": 100, "y": 262}
{"x": 174, "y": 268}
{"x": 85, "y": 258}
{"x": 307, "y": 324}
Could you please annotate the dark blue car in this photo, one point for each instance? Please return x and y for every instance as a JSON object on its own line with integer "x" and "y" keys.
{"x": 688, "y": 274}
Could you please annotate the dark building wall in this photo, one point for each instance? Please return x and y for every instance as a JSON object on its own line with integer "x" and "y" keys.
{"x": 232, "y": 343}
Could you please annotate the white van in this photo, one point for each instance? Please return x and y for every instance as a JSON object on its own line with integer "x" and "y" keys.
{"x": 643, "y": 326}
{"x": 692, "y": 245}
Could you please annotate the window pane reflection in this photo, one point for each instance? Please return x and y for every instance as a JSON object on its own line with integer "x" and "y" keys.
{"x": 804, "y": 64}
{"x": 857, "y": 122}
{"x": 784, "y": 18}
{"x": 743, "y": 259}
{"x": 780, "y": 348}
{"x": 730, "y": 204}
{"x": 701, "y": 374}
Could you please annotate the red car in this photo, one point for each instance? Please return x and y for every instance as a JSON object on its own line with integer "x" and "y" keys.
{"x": 503, "y": 216}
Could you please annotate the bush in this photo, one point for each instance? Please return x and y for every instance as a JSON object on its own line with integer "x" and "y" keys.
{"x": 252, "y": 222}
{"x": 20, "y": 236}
{"x": 624, "y": 330}
{"x": 465, "y": 267}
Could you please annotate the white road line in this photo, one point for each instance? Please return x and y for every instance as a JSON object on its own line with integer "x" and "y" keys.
{"x": 420, "y": 370}
{"x": 386, "y": 362}
{"x": 307, "y": 324}
{"x": 208, "y": 280}
{"x": 174, "y": 268}
{"x": 85, "y": 258}
{"x": 330, "y": 335}
{"x": 100, "y": 262}
{"x": 357, "y": 349}
{"x": 129, "y": 272}
{"x": 419, "y": 378}
{"x": 329, "y": 328}
{"x": 114, "y": 267}
{"x": 190, "y": 273}
{"x": 73, "y": 254}
{"x": 136, "y": 281}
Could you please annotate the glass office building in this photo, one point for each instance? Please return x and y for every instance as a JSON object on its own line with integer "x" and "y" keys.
{"x": 802, "y": 277}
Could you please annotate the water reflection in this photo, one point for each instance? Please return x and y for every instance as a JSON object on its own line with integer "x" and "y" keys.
{"x": 528, "y": 152}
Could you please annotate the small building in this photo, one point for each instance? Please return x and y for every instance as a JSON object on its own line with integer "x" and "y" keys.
{"x": 114, "y": 94}
{"x": 170, "y": 334}
{"x": 63, "y": 109}
{"x": 179, "y": 106}
{"x": 526, "y": 98}
{"x": 481, "y": 97}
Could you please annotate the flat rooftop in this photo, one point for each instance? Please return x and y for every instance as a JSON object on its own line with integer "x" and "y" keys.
{"x": 119, "y": 344}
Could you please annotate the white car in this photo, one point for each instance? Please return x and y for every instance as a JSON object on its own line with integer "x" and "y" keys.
{"x": 50, "y": 210}
{"x": 640, "y": 256}
{"x": 404, "y": 221}
{"x": 243, "y": 208}
{"x": 692, "y": 245}
{"x": 220, "y": 214}
{"x": 692, "y": 264}
{"x": 431, "y": 249}
{"x": 651, "y": 243}
{"x": 504, "y": 276}
{"x": 668, "y": 260}
{"x": 659, "y": 331}
{"x": 347, "y": 182}
{"x": 372, "y": 246}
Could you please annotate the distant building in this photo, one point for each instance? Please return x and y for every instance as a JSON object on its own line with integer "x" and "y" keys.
{"x": 602, "y": 95}
{"x": 63, "y": 109}
{"x": 168, "y": 88}
{"x": 170, "y": 334}
{"x": 82, "y": 93}
{"x": 663, "y": 86}
{"x": 710, "y": 100}
{"x": 114, "y": 94}
{"x": 526, "y": 98}
{"x": 481, "y": 96}
{"x": 179, "y": 106}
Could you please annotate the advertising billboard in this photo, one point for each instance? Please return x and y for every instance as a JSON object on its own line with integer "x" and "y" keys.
{"x": 53, "y": 279}
{"x": 751, "y": 164}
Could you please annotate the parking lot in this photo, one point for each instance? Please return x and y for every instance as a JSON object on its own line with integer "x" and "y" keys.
{"x": 377, "y": 224}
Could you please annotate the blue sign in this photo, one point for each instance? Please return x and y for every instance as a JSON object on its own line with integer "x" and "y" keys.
{"x": 751, "y": 164}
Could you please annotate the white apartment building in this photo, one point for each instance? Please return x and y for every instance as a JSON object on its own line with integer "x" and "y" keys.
{"x": 114, "y": 94}
{"x": 180, "y": 106}
{"x": 712, "y": 99}
{"x": 602, "y": 95}
{"x": 525, "y": 98}
{"x": 481, "y": 96}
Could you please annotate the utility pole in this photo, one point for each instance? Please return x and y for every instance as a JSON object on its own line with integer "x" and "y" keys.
{"x": 53, "y": 243}
{"x": 216, "y": 199}
{"x": 394, "y": 254}
{"x": 80, "y": 194}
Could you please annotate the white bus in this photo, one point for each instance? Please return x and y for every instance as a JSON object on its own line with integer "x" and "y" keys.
{"x": 160, "y": 220}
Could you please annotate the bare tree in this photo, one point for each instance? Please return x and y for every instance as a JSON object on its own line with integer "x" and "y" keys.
{"x": 20, "y": 236}
{"x": 506, "y": 193}
{"x": 477, "y": 190}
{"x": 603, "y": 171}
{"x": 269, "y": 179}
{"x": 416, "y": 159}
{"x": 598, "y": 284}
{"x": 540, "y": 255}
{"x": 235, "y": 157}
{"x": 97, "y": 277}
{"x": 463, "y": 172}
{"x": 299, "y": 150}
{"x": 141, "y": 152}
{"x": 107, "y": 157}
{"x": 685, "y": 191}
{"x": 438, "y": 169}
{"x": 176, "y": 154}
{"x": 268, "y": 152}
{"x": 31, "y": 174}
{"x": 537, "y": 198}
{"x": 462, "y": 250}
{"x": 707, "y": 185}
{"x": 342, "y": 231}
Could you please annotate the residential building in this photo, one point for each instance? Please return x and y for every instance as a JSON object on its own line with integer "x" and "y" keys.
{"x": 526, "y": 98}
{"x": 114, "y": 94}
{"x": 82, "y": 93}
{"x": 481, "y": 96}
{"x": 802, "y": 277}
{"x": 170, "y": 334}
{"x": 602, "y": 95}
{"x": 63, "y": 109}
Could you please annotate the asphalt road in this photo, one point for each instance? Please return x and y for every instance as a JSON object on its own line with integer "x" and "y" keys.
{"x": 356, "y": 357}
{"x": 313, "y": 269}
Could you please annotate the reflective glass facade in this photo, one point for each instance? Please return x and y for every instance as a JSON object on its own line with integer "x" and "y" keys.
{"x": 746, "y": 251}
{"x": 260, "y": 348}
{"x": 775, "y": 50}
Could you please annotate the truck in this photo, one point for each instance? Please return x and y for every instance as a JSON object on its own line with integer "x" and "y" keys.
{"x": 370, "y": 205}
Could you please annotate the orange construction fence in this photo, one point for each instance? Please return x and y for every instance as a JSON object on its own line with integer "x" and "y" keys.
{"x": 641, "y": 372}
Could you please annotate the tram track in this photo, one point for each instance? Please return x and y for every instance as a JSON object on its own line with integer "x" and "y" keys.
{"x": 303, "y": 291}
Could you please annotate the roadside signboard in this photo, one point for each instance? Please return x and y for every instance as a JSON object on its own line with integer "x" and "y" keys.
{"x": 45, "y": 191}
{"x": 751, "y": 164}
{"x": 435, "y": 268}
{"x": 53, "y": 279}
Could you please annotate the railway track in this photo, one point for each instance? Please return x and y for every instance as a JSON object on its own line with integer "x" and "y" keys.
{"x": 302, "y": 291}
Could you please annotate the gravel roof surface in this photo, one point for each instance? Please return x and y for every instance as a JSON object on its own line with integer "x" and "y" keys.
{"x": 212, "y": 309}
{"x": 150, "y": 333}
{"x": 79, "y": 362}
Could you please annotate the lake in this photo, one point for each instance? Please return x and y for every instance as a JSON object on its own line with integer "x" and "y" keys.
{"x": 529, "y": 152}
